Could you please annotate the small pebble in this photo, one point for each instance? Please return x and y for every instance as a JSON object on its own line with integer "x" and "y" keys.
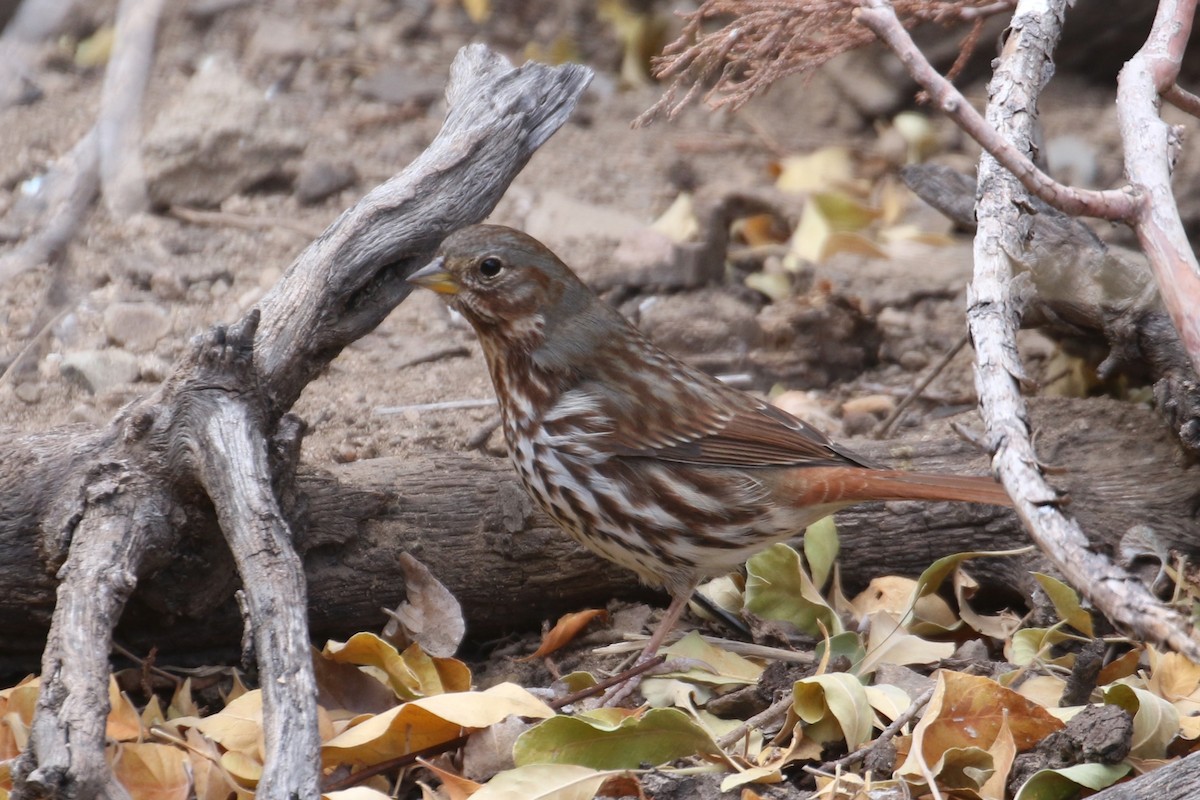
{"x": 28, "y": 392}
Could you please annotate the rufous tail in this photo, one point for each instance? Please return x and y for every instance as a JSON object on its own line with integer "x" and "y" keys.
{"x": 821, "y": 485}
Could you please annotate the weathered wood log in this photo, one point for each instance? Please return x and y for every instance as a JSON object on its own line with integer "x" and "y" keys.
{"x": 467, "y": 518}
{"x": 210, "y": 455}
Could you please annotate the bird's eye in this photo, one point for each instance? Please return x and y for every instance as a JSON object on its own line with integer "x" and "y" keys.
{"x": 490, "y": 267}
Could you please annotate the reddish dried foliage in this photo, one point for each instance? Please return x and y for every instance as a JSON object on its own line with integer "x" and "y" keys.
{"x": 760, "y": 41}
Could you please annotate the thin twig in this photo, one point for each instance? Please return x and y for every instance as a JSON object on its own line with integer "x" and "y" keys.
{"x": 146, "y": 665}
{"x": 453, "y": 351}
{"x": 1182, "y": 99}
{"x": 1111, "y": 204}
{"x": 198, "y": 216}
{"x": 119, "y": 121}
{"x": 763, "y": 720}
{"x": 447, "y": 405}
{"x": 886, "y": 426}
{"x": 70, "y": 187}
{"x": 886, "y": 735}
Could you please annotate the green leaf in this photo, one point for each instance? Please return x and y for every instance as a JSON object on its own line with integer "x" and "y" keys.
{"x": 1065, "y": 783}
{"x": 821, "y": 549}
{"x": 727, "y": 667}
{"x": 931, "y": 579}
{"x": 544, "y": 782}
{"x": 777, "y": 587}
{"x": 1029, "y": 644}
{"x": 1066, "y": 603}
{"x": 840, "y": 695}
{"x": 848, "y": 644}
{"x": 659, "y": 736}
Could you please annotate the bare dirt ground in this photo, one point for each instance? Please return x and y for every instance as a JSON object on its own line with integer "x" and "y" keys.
{"x": 305, "y": 106}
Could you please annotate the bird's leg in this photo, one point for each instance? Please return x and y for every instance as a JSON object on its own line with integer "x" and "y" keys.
{"x": 618, "y": 693}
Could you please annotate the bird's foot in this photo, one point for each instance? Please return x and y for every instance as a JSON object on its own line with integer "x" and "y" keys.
{"x": 618, "y": 693}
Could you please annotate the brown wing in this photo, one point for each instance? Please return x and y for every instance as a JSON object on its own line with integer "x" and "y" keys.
{"x": 707, "y": 423}
{"x": 757, "y": 436}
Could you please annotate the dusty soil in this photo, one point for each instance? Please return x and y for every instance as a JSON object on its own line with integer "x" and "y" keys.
{"x": 343, "y": 95}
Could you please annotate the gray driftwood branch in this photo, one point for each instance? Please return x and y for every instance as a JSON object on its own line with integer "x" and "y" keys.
{"x": 116, "y": 507}
{"x": 995, "y": 305}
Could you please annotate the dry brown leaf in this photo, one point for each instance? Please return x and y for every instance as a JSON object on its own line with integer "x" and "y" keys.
{"x": 566, "y": 629}
{"x": 969, "y": 711}
{"x": 454, "y": 786}
{"x": 211, "y": 781}
{"x": 124, "y": 724}
{"x": 151, "y": 771}
{"x": 430, "y": 616}
{"x": 346, "y": 687}
{"x": 1004, "y": 752}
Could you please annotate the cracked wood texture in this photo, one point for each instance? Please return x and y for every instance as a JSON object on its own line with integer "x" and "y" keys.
{"x": 467, "y": 518}
{"x": 211, "y": 455}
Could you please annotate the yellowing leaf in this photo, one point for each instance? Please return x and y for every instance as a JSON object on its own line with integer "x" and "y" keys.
{"x": 1000, "y": 626}
{"x": 840, "y": 695}
{"x": 679, "y": 221}
{"x": 809, "y": 239}
{"x": 1045, "y": 690}
{"x": 545, "y": 782}
{"x": 423, "y": 723}
{"x": 151, "y": 771}
{"x": 211, "y": 781}
{"x": 237, "y": 727}
{"x": 843, "y": 212}
{"x": 1173, "y": 677}
{"x": 478, "y": 10}
{"x": 356, "y": 793}
{"x": 1033, "y": 644}
{"x": 889, "y": 643}
{"x": 1065, "y": 783}
{"x": 182, "y": 703}
{"x": 969, "y": 711}
{"x": 1066, "y": 603}
{"x": 821, "y": 549}
{"x": 124, "y": 723}
{"x": 1003, "y": 752}
{"x": 777, "y": 587}
{"x": 567, "y": 628}
{"x": 820, "y": 170}
{"x": 889, "y": 701}
{"x": 244, "y": 768}
{"x": 659, "y": 736}
{"x": 410, "y": 674}
{"x": 728, "y": 668}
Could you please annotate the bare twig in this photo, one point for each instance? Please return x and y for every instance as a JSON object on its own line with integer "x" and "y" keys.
{"x": 448, "y": 405}
{"x": 119, "y": 122}
{"x": 70, "y": 188}
{"x": 762, "y": 721}
{"x": 198, "y": 216}
{"x": 1111, "y": 204}
{"x": 1151, "y": 148}
{"x": 34, "y": 21}
{"x": 1183, "y": 100}
{"x": 886, "y": 735}
{"x": 886, "y": 426}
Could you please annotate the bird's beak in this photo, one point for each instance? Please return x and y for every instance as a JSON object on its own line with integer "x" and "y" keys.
{"x": 434, "y": 276}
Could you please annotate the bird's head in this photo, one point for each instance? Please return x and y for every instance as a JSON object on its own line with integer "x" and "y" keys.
{"x": 507, "y": 284}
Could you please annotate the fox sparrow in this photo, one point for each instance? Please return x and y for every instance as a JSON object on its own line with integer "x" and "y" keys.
{"x": 641, "y": 458}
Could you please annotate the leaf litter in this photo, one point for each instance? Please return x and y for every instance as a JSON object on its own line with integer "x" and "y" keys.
{"x": 381, "y": 704}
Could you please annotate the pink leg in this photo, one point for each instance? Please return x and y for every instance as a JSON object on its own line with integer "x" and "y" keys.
{"x": 674, "y": 612}
{"x": 615, "y": 695}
